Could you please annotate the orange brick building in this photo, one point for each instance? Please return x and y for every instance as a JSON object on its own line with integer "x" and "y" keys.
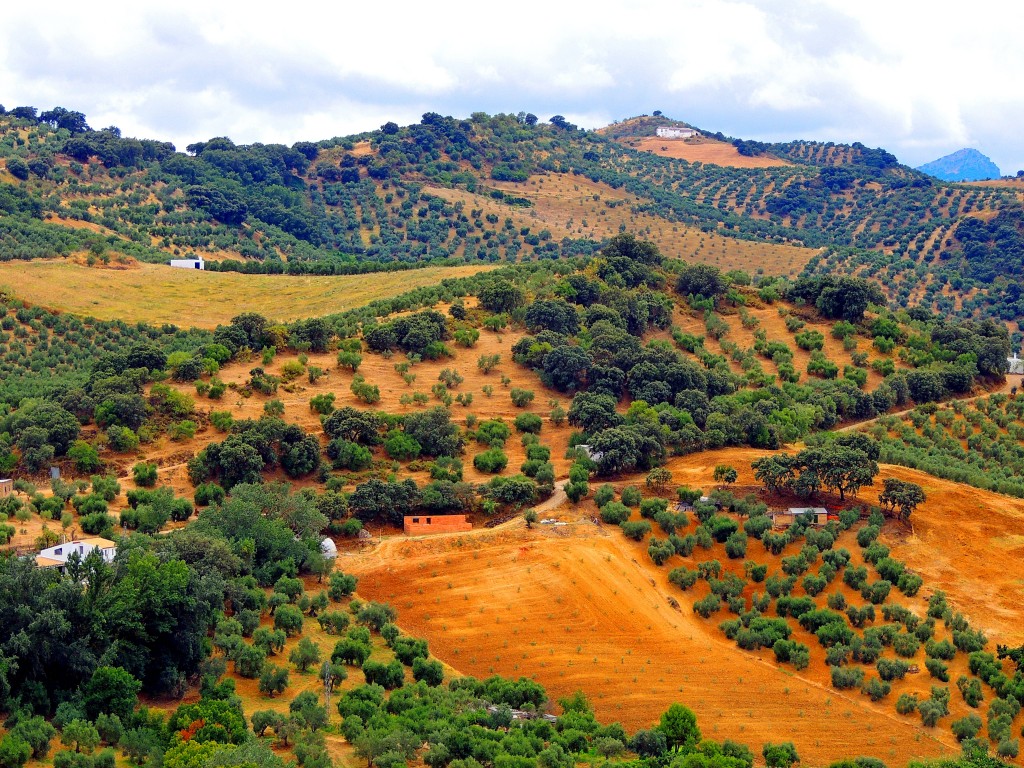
{"x": 416, "y": 525}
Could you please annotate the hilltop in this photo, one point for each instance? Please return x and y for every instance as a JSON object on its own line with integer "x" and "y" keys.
{"x": 491, "y": 189}
{"x": 966, "y": 164}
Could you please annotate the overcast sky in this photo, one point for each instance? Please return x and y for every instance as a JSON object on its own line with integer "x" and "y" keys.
{"x": 921, "y": 79}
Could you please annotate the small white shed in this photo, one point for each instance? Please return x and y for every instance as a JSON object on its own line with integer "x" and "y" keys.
{"x": 188, "y": 263}
{"x": 1016, "y": 364}
{"x": 328, "y": 548}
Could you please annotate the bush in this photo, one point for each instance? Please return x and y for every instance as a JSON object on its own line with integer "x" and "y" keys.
{"x": 683, "y": 577}
{"x": 906, "y": 703}
{"x": 931, "y": 712}
{"x": 491, "y": 461}
{"x": 845, "y": 678}
{"x": 208, "y": 493}
{"x": 877, "y": 689}
{"x": 707, "y": 606}
{"x": 660, "y": 550}
{"x": 736, "y": 546}
{"x": 322, "y": 404}
{"x": 493, "y": 432}
{"x": 636, "y": 530}
{"x": 892, "y": 669}
{"x": 937, "y": 669}
{"x": 528, "y": 422}
{"x": 401, "y": 447}
{"x": 521, "y": 397}
{"x": 631, "y": 496}
{"x": 905, "y": 645}
{"x": 613, "y": 512}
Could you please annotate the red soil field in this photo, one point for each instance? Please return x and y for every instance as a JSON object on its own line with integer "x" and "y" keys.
{"x": 703, "y": 151}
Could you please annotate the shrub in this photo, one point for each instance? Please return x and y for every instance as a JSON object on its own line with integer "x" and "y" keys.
{"x": 528, "y": 422}
{"x": 937, "y": 669}
{"x": 845, "y": 678}
{"x": 906, "y": 703}
{"x": 789, "y": 651}
{"x": 631, "y": 496}
{"x": 493, "y": 432}
{"x": 636, "y": 530}
{"x": 491, "y": 461}
{"x": 614, "y": 512}
{"x": 877, "y": 689}
{"x": 208, "y": 493}
{"x": 736, "y": 545}
{"x": 682, "y": 577}
{"x": 401, "y": 447}
{"x": 909, "y": 584}
{"x": 521, "y": 397}
{"x": 144, "y": 474}
{"x": 905, "y": 645}
{"x": 322, "y": 404}
{"x": 651, "y": 508}
{"x": 707, "y": 606}
{"x": 931, "y": 712}
{"x": 756, "y": 572}
{"x": 892, "y": 669}
{"x": 660, "y": 550}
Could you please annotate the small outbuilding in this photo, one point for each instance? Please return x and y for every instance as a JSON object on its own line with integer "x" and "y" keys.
{"x": 416, "y": 525}
{"x": 6, "y": 487}
{"x": 784, "y": 518}
{"x": 329, "y": 549}
{"x": 1015, "y": 364}
{"x": 189, "y": 263}
{"x": 57, "y": 555}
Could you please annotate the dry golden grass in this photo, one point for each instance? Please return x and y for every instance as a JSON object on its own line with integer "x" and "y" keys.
{"x": 572, "y": 206}
{"x": 157, "y": 294}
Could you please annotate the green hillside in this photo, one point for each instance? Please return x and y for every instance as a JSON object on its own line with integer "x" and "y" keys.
{"x": 390, "y": 199}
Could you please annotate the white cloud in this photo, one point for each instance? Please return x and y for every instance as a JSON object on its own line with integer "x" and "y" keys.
{"x": 920, "y": 81}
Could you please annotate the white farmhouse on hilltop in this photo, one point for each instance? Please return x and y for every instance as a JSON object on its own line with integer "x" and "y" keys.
{"x": 189, "y": 263}
{"x": 57, "y": 555}
{"x": 1016, "y": 364}
{"x": 665, "y": 132}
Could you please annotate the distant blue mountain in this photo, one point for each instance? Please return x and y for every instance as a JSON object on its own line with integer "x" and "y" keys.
{"x": 962, "y": 165}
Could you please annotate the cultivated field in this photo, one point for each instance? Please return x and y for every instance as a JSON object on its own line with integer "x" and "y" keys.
{"x": 574, "y": 206}
{"x": 703, "y": 151}
{"x": 156, "y": 294}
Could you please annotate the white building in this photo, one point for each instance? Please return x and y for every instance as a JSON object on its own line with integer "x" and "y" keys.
{"x": 665, "y": 132}
{"x": 188, "y": 263}
{"x": 57, "y": 555}
{"x": 328, "y": 548}
{"x": 1016, "y": 364}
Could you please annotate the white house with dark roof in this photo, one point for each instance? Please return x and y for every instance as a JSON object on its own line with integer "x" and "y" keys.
{"x": 57, "y": 556}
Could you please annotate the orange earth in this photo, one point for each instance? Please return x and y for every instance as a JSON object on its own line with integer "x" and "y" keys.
{"x": 703, "y": 151}
{"x": 580, "y": 607}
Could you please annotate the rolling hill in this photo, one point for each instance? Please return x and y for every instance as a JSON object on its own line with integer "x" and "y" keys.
{"x": 624, "y": 359}
{"x": 501, "y": 188}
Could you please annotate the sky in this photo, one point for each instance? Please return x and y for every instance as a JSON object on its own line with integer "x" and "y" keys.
{"x": 921, "y": 79}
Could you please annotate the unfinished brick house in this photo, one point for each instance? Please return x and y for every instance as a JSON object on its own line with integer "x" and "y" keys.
{"x": 416, "y": 525}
